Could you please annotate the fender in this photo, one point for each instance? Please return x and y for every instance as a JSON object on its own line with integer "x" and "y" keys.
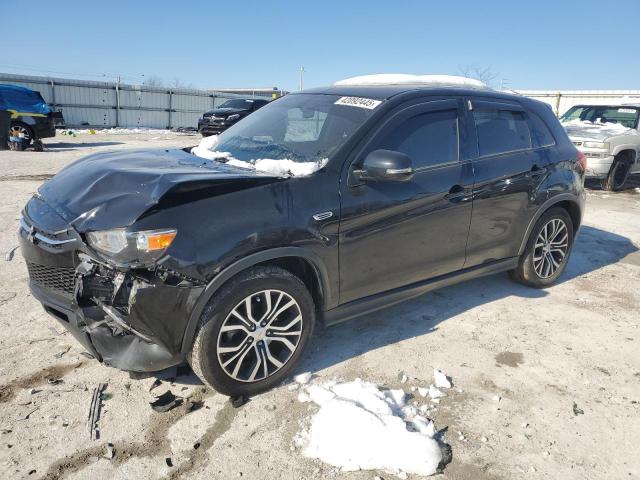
{"x": 214, "y": 285}
{"x": 561, "y": 197}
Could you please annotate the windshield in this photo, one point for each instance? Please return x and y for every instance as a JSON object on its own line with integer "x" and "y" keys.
{"x": 621, "y": 115}
{"x": 299, "y": 128}
{"x": 237, "y": 103}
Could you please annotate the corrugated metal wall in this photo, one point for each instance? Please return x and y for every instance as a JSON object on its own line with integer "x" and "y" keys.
{"x": 106, "y": 104}
{"x": 563, "y": 100}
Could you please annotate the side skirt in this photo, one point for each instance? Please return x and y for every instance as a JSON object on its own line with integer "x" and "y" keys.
{"x": 386, "y": 299}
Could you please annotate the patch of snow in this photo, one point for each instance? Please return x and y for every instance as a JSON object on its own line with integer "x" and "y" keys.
{"x": 423, "y": 391}
{"x": 124, "y": 131}
{"x": 281, "y": 167}
{"x": 440, "y": 379}
{"x": 434, "y": 392}
{"x": 595, "y": 130}
{"x": 406, "y": 79}
{"x": 303, "y": 378}
{"x": 360, "y": 427}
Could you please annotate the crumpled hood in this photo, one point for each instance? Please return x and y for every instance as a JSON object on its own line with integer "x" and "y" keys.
{"x": 110, "y": 190}
{"x": 593, "y": 131}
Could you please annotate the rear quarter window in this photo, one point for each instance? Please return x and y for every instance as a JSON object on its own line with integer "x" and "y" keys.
{"x": 501, "y": 131}
{"x": 541, "y": 136}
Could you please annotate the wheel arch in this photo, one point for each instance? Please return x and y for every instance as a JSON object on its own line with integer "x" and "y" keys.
{"x": 299, "y": 261}
{"x": 566, "y": 201}
{"x": 628, "y": 152}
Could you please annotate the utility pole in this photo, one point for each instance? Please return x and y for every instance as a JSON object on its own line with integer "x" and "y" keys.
{"x": 301, "y": 77}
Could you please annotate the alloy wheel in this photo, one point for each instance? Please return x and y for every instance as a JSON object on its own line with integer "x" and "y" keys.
{"x": 259, "y": 336}
{"x": 551, "y": 247}
{"x": 20, "y": 131}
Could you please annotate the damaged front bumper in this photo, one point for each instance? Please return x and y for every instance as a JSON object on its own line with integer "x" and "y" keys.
{"x": 132, "y": 319}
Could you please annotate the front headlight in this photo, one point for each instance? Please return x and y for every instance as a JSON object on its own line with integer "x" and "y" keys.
{"x": 132, "y": 248}
{"x": 233, "y": 118}
{"x": 600, "y": 145}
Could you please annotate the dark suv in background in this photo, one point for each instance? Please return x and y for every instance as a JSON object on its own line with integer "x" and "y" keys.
{"x": 322, "y": 206}
{"x": 230, "y": 112}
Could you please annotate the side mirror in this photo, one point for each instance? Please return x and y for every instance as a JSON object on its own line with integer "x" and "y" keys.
{"x": 386, "y": 166}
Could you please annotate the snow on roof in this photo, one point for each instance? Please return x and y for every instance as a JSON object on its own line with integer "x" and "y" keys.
{"x": 406, "y": 79}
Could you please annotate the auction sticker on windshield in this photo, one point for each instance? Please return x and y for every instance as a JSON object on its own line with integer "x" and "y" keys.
{"x": 359, "y": 102}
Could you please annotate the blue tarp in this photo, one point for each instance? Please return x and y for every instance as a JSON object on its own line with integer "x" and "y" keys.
{"x": 22, "y": 100}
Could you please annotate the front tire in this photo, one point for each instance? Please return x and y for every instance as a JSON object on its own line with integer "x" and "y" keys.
{"x": 19, "y": 129}
{"x": 547, "y": 251}
{"x": 617, "y": 176}
{"x": 253, "y": 332}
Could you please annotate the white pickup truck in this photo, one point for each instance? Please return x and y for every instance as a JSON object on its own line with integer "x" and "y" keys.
{"x": 609, "y": 136}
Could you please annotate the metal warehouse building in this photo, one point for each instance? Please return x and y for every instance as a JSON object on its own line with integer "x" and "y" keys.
{"x": 110, "y": 104}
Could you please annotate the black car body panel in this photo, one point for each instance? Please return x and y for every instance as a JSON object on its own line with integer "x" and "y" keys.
{"x": 218, "y": 120}
{"x": 359, "y": 245}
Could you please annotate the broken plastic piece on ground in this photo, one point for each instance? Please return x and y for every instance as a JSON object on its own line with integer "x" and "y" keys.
{"x": 238, "y": 401}
{"x": 169, "y": 462}
{"x": 193, "y": 405}
{"x": 577, "y": 411}
{"x": 156, "y": 383}
{"x": 94, "y": 411}
{"x": 61, "y": 353}
{"x": 54, "y": 381}
{"x": 9, "y": 255}
{"x": 165, "y": 402}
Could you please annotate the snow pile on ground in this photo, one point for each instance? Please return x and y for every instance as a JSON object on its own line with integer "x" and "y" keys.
{"x": 405, "y": 79}
{"x": 585, "y": 127}
{"x": 124, "y": 131}
{"x": 281, "y": 168}
{"x": 362, "y": 427}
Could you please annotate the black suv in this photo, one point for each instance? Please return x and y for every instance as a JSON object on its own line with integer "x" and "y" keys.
{"x": 154, "y": 257}
{"x": 230, "y": 112}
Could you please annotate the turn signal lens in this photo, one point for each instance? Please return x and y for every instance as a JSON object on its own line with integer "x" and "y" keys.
{"x": 151, "y": 241}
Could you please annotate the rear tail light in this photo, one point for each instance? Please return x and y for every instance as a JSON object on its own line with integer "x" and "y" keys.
{"x": 582, "y": 161}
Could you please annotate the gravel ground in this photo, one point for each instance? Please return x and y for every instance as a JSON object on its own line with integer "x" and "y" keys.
{"x": 547, "y": 382}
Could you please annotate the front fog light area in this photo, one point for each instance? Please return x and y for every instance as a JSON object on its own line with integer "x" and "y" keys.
{"x": 131, "y": 248}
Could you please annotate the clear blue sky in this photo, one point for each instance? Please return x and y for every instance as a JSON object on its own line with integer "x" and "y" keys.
{"x": 540, "y": 44}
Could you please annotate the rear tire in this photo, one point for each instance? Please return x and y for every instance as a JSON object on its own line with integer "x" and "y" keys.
{"x": 548, "y": 250}
{"x": 617, "y": 176}
{"x": 242, "y": 319}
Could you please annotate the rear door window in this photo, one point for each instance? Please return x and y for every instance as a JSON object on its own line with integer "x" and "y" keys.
{"x": 429, "y": 138}
{"x": 501, "y": 130}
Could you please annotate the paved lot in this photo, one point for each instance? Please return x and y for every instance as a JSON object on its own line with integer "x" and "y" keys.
{"x": 520, "y": 360}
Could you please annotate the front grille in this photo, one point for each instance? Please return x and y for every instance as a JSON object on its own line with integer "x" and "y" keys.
{"x": 60, "y": 279}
